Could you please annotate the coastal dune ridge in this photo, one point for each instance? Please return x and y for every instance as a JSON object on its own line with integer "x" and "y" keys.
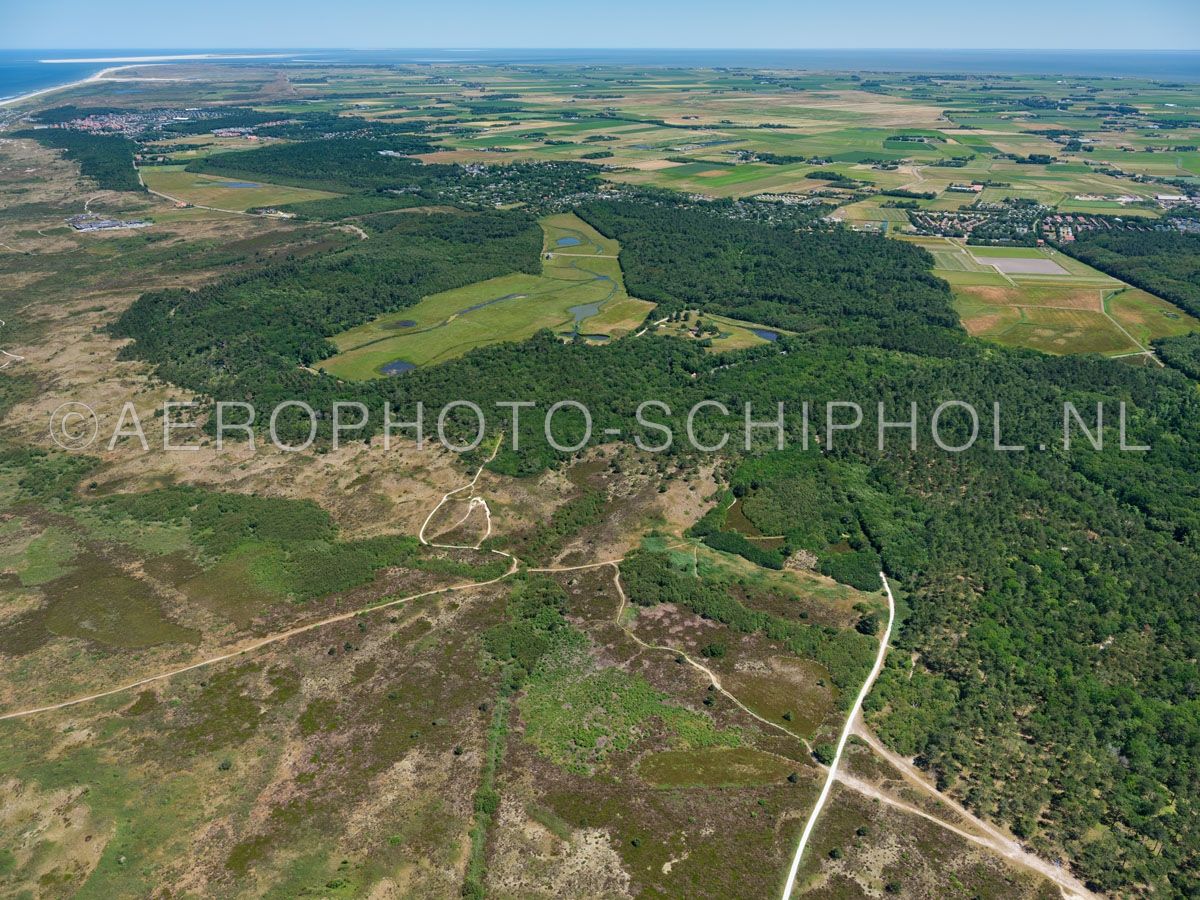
{"x": 167, "y": 57}
{"x": 129, "y": 62}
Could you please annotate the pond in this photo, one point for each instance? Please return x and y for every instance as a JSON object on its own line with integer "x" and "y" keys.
{"x": 403, "y": 323}
{"x": 397, "y": 367}
{"x": 238, "y": 184}
{"x": 583, "y": 311}
{"x": 766, "y": 334}
{"x": 568, "y": 242}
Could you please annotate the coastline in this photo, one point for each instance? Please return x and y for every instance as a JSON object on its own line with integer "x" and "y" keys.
{"x": 167, "y": 57}
{"x": 130, "y": 62}
{"x": 21, "y": 98}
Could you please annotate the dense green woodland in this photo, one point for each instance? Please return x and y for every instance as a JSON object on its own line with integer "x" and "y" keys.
{"x": 343, "y": 165}
{"x": 105, "y": 158}
{"x": 355, "y": 164}
{"x": 859, "y": 289}
{"x": 1182, "y": 353}
{"x": 1166, "y": 263}
{"x": 1050, "y": 596}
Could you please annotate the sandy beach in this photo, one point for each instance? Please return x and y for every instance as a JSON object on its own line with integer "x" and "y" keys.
{"x": 133, "y": 62}
{"x": 62, "y": 87}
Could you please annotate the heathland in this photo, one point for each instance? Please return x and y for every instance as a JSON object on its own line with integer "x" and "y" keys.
{"x": 609, "y": 672}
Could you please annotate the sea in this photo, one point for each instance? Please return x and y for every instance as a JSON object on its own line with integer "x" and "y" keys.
{"x": 23, "y": 71}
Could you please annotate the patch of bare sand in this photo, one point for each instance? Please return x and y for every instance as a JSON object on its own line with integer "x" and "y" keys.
{"x": 531, "y": 861}
{"x": 1082, "y": 298}
{"x": 32, "y": 818}
{"x": 418, "y": 773}
{"x": 368, "y": 489}
{"x": 652, "y": 165}
{"x": 633, "y": 503}
{"x": 977, "y": 325}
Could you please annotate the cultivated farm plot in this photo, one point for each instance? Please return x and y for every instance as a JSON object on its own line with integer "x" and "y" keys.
{"x": 223, "y": 193}
{"x": 580, "y": 291}
{"x": 716, "y": 180}
{"x": 1065, "y": 331}
{"x": 1065, "y": 319}
{"x": 1038, "y": 298}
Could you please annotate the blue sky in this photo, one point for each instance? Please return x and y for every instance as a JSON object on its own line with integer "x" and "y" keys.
{"x": 1106, "y": 24}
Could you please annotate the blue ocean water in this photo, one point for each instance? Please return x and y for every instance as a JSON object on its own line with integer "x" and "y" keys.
{"x": 22, "y": 71}
{"x": 25, "y": 71}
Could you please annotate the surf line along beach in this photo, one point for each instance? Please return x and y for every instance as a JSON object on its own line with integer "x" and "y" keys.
{"x": 132, "y": 62}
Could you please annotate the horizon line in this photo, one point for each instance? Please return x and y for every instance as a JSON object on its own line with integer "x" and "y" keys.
{"x": 459, "y": 49}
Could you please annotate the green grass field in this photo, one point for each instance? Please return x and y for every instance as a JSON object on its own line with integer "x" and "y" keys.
{"x": 1069, "y": 319}
{"x": 1147, "y": 317}
{"x": 734, "y": 334}
{"x": 1064, "y": 331}
{"x": 214, "y": 191}
{"x": 872, "y": 210}
{"x": 580, "y": 288}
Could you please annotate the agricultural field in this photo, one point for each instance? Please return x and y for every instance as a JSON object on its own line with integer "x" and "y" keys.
{"x": 1048, "y": 301}
{"x": 580, "y": 292}
{"x": 523, "y": 671}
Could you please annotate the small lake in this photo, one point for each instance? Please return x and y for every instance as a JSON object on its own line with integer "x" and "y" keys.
{"x": 397, "y": 367}
{"x": 583, "y": 311}
{"x": 568, "y": 242}
{"x": 765, "y": 334}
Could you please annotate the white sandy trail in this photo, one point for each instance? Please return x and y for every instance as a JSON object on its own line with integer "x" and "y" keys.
{"x": 712, "y": 676}
{"x": 6, "y": 358}
{"x": 330, "y": 620}
{"x": 990, "y": 835}
{"x": 255, "y": 645}
{"x": 831, "y": 775}
{"x": 472, "y": 504}
{"x": 301, "y": 629}
{"x": 985, "y": 834}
